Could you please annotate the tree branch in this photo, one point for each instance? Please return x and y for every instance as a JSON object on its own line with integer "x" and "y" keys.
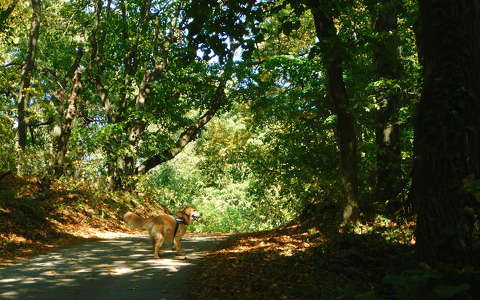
{"x": 96, "y": 66}
{"x": 4, "y": 14}
{"x": 189, "y": 134}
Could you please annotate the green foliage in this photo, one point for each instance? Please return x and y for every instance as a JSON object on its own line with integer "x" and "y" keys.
{"x": 173, "y": 187}
{"x": 214, "y": 25}
{"x": 225, "y": 198}
{"x": 7, "y": 151}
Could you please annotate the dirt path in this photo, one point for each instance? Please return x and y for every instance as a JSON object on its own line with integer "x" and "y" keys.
{"x": 120, "y": 267}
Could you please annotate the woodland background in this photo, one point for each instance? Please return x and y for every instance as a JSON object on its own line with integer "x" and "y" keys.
{"x": 258, "y": 112}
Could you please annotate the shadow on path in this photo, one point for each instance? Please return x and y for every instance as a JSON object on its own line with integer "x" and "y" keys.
{"x": 119, "y": 268}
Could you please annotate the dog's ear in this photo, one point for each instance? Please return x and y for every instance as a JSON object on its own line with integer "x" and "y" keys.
{"x": 182, "y": 213}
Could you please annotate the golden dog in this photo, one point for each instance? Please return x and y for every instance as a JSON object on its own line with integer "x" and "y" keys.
{"x": 166, "y": 228}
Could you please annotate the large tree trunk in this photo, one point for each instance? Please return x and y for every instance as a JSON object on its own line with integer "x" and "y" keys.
{"x": 27, "y": 74}
{"x": 387, "y": 68}
{"x": 332, "y": 54}
{"x": 447, "y": 130}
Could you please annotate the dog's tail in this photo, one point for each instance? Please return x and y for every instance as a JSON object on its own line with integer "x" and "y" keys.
{"x": 134, "y": 220}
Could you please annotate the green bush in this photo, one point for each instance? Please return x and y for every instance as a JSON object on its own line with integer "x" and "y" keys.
{"x": 228, "y": 204}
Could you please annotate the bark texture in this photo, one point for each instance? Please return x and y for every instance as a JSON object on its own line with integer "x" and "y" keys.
{"x": 27, "y": 71}
{"x": 63, "y": 132}
{"x": 447, "y": 130}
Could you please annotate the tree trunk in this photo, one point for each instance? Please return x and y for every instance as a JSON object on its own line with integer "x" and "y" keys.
{"x": 27, "y": 74}
{"x": 62, "y": 133}
{"x": 447, "y": 130}
{"x": 388, "y": 68}
{"x": 121, "y": 172}
{"x": 332, "y": 53}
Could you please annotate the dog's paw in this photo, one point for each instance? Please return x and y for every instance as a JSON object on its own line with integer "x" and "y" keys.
{"x": 180, "y": 252}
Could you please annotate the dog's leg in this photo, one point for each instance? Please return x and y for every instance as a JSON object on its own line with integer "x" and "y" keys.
{"x": 177, "y": 246}
{"x": 157, "y": 244}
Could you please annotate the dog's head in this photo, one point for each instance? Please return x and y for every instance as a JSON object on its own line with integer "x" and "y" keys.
{"x": 190, "y": 214}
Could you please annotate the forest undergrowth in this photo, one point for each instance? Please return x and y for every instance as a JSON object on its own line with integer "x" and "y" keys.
{"x": 303, "y": 261}
{"x": 306, "y": 260}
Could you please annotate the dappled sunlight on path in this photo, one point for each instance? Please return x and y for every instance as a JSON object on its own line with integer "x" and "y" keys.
{"x": 114, "y": 268}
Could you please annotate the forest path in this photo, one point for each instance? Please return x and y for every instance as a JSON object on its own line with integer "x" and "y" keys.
{"x": 120, "y": 267}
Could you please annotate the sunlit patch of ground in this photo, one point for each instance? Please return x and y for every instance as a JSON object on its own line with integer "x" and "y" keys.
{"x": 20, "y": 245}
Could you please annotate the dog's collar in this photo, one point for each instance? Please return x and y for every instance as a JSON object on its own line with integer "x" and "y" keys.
{"x": 178, "y": 220}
